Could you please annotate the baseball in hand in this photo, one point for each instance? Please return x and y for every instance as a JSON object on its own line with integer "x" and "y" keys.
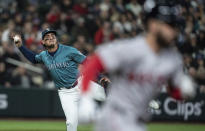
{"x": 16, "y": 38}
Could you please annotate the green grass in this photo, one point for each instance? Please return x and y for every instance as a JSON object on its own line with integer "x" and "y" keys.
{"x": 176, "y": 127}
{"x": 23, "y": 125}
{"x": 59, "y": 125}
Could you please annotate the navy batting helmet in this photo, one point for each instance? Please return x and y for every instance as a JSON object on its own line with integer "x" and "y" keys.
{"x": 167, "y": 11}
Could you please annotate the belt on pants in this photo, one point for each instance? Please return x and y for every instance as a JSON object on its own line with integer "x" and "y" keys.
{"x": 70, "y": 87}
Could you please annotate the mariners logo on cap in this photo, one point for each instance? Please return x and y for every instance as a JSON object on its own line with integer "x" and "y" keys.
{"x": 48, "y": 30}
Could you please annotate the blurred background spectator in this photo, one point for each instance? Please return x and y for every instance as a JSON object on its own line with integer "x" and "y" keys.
{"x": 85, "y": 24}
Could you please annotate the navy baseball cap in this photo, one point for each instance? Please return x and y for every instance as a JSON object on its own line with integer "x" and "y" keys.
{"x": 48, "y": 31}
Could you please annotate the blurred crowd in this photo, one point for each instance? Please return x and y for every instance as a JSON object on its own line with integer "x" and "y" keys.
{"x": 86, "y": 24}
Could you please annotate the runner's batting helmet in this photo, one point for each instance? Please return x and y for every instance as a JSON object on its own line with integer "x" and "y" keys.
{"x": 167, "y": 11}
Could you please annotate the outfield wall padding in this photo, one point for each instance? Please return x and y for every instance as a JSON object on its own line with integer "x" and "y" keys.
{"x": 30, "y": 103}
{"x": 44, "y": 103}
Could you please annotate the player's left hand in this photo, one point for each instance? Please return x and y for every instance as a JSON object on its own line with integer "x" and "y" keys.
{"x": 187, "y": 87}
{"x": 104, "y": 81}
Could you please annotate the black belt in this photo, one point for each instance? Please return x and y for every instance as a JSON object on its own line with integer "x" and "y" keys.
{"x": 70, "y": 87}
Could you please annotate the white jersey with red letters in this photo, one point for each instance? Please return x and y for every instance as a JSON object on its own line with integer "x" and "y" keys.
{"x": 137, "y": 75}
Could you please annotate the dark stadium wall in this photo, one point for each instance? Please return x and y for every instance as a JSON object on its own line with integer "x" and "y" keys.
{"x": 44, "y": 103}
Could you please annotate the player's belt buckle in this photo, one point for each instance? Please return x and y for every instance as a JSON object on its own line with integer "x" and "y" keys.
{"x": 70, "y": 87}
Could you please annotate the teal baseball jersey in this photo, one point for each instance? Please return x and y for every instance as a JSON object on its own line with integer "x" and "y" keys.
{"x": 63, "y": 65}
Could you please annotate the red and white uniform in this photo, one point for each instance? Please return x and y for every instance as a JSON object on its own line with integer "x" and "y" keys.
{"x": 137, "y": 75}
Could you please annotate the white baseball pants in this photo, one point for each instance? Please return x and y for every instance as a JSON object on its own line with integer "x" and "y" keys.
{"x": 112, "y": 120}
{"x": 69, "y": 100}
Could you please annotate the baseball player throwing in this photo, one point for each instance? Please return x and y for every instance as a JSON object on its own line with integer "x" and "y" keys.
{"x": 62, "y": 62}
{"x": 138, "y": 68}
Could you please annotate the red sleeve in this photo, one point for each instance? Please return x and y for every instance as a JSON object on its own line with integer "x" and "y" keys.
{"x": 175, "y": 93}
{"x": 90, "y": 70}
{"x": 84, "y": 61}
